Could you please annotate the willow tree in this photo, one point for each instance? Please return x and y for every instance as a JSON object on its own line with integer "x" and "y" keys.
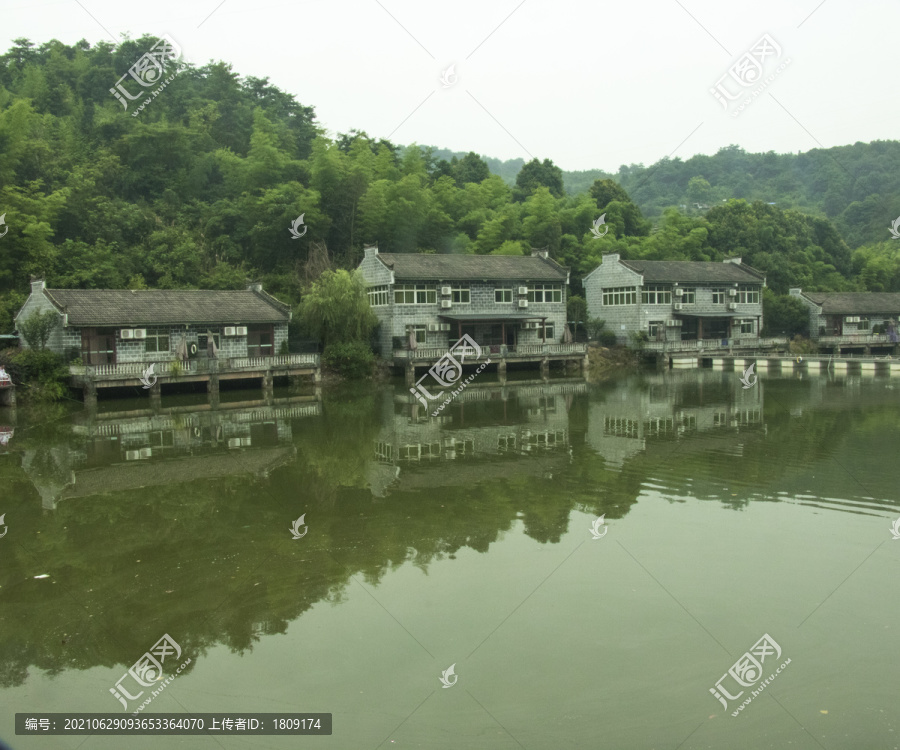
{"x": 336, "y": 308}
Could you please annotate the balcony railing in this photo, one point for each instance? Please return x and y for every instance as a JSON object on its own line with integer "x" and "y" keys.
{"x": 163, "y": 367}
{"x": 713, "y": 344}
{"x": 862, "y": 339}
{"x": 494, "y": 350}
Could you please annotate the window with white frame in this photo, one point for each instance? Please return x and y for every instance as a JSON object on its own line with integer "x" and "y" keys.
{"x": 551, "y": 330}
{"x": 503, "y": 295}
{"x": 863, "y": 324}
{"x": 745, "y": 326}
{"x": 460, "y": 295}
{"x": 657, "y": 328}
{"x": 654, "y": 294}
{"x": 620, "y": 295}
{"x": 545, "y": 293}
{"x": 420, "y": 333}
{"x": 415, "y": 294}
{"x": 748, "y": 294}
{"x": 718, "y": 296}
{"x": 157, "y": 341}
{"x": 378, "y": 295}
{"x": 689, "y": 297}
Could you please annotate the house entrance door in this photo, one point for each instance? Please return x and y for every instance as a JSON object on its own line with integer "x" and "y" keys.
{"x": 98, "y": 346}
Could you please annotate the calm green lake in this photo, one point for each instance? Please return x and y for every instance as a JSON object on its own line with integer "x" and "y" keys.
{"x": 467, "y": 540}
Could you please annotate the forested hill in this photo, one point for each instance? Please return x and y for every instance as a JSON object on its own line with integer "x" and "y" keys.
{"x": 201, "y": 186}
{"x": 856, "y": 186}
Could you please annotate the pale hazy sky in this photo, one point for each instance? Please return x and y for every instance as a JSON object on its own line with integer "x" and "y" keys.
{"x": 587, "y": 84}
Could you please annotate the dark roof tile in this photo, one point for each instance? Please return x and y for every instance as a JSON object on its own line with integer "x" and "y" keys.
{"x": 427, "y": 266}
{"x": 694, "y": 271}
{"x": 856, "y": 302}
{"x": 115, "y": 307}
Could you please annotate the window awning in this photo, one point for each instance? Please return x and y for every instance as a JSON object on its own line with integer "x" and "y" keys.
{"x": 489, "y": 317}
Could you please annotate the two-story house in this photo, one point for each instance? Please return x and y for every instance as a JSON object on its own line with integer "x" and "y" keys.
{"x": 676, "y": 300}
{"x": 837, "y": 318}
{"x": 426, "y": 300}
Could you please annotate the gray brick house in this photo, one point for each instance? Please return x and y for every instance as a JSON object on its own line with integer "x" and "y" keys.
{"x": 676, "y": 300}
{"x": 112, "y": 326}
{"x": 436, "y": 299}
{"x": 850, "y": 314}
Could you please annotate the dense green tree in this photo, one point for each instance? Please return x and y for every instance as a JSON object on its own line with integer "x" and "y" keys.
{"x": 336, "y": 308}
{"x": 535, "y": 175}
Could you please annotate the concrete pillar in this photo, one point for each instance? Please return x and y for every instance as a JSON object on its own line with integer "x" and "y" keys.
{"x": 501, "y": 371}
{"x": 267, "y": 382}
{"x": 410, "y": 374}
{"x": 545, "y": 369}
{"x": 90, "y": 395}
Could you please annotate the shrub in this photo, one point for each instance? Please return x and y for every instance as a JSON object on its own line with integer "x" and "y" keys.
{"x": 800, "y": 345}
{"x": 284, "y": 349}
{"x": 352, "y": 359}
{"x": 638, "y": 339}
{"x": 43, "y": 373}
{"x": 594, "y": 327}
{"x": 607, "y": 338}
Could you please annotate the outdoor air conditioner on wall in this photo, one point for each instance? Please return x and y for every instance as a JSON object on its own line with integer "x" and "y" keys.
{"x": 229, "y": 331}
{"x": 732, "y": 306}
{"x": 434, "y": 326}
{"x": 140, "y": 333}
{"x": 523, "y": 303}
{"x": 523, "y": 290}
{"x": 132, "y": 455}
{"x": 672, "y": 323}
{"x": 146, "y": 452}
{"x": 679, "y": 292}
{"x": 446, "y": 304}
{"x": 240, "y": 331}
{"x": 854, "y": 319}
{"x": 444, "y": 327}
{"x": 126, "y": 333}
{"x": 445, "y": 290}
{"x": 678, "y": 305}
{"x": 732, "y": 292}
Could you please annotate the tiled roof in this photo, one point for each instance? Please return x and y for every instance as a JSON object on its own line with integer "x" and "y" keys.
{"x": 694, "y": 271}
{"x": 426, "y": 266}
{"x": 114, "y": 307}
{"x": 856, "y": 302}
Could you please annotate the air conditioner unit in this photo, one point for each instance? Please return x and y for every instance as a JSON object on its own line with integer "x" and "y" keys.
{"x": 523, "y": 303}
{"x": 434, "y": 326}
{"x": 126, "y": 333}
{"x": 672, "y": 323}
{"x": 445, "y": 290}
{"x": 679, "y": 292}
{"x": 732, "y": 305}
{"x": 140, "y": 333}
{"x": 230, "y": 331}
{"x": 732, "y": 292}
{"x": 132, "y": 455}
{"x": 146, "y": 452}
{"x": 523, "y": 290}
{"x": 853, "y": 319}
{"x": 446, "y": 304}
{"x": 240, "y": 331}
{"x": 444, "y": 327}
{"x": 234, "y": 442}
{"x": 678, "y": 305}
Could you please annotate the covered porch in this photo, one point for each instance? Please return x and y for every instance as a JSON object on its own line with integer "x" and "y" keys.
{"x": 714, "y": 326}
{"x": 493, "y": 330}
